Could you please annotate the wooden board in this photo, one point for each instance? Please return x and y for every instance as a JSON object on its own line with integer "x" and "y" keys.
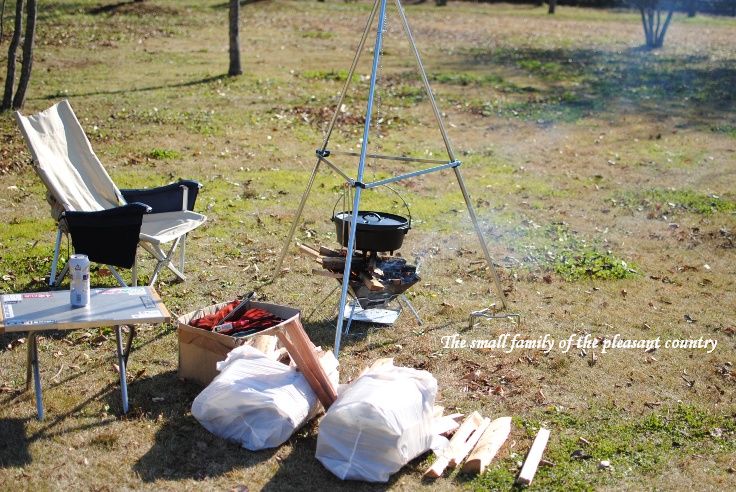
{"x": 526, "y": 475}
{"x": 464, "y": 448}
{"x": 303, "y": 353}
{"x": 488, "y": 445}
{"x": 469, "y": 425}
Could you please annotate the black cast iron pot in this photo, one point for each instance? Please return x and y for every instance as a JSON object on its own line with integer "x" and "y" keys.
{"x": 376, "y": 231}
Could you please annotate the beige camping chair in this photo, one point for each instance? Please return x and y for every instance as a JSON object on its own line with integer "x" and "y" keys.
{"x": 105, "y": 223}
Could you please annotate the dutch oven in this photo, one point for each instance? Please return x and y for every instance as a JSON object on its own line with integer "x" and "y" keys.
{"x": 376, "y": 231}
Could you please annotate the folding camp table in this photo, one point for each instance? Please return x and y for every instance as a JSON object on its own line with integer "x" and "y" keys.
{"x": 41, "y": 311}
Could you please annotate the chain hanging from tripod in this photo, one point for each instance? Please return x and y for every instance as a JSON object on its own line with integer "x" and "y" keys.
{"x": 380, "y": 79}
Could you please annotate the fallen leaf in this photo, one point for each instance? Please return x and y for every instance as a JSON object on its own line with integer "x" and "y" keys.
{"x": 579, "y": 454}
{"x": 15, "y": 343}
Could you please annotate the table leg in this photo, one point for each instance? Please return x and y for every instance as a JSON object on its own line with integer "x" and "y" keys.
{"x": 29, "y": 361}
{"x": 121, "y": 364}
{"x": 36, "y": 374}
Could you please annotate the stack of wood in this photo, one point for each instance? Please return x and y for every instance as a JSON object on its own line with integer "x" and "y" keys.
{"x": 372, "y": 276}
{"x": 333, "y": 265}
{"x": 477, "y": 440}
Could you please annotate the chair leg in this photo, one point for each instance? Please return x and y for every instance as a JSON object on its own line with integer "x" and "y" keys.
{"x": 164, "y": 260}
{"x": 134, "y": 272}
{"x": 182, "y": 252}
{"x": 55, "y": 262}
{"x": 61, "y": 275}
{"x": 117, "y": 276}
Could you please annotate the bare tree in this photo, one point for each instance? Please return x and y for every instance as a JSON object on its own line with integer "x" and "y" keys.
{"x": 2, "y": 22}
{"x": 12, "y": 50}
{"x": 27, "y": 62}
{"x": 234, "y": 17}
{"x": 652, "y": 20}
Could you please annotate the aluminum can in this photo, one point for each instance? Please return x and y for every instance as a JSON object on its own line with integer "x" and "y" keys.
{"x": 79, "y": 291}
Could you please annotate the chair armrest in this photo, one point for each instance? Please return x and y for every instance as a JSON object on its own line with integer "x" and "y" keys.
{"x": 107, "y": 236}
{"x": 168, "y": 198}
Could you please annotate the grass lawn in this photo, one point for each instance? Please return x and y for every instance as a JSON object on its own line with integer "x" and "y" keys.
{"x": 602, "y": 175}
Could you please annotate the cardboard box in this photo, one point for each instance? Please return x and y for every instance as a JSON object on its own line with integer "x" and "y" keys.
{"x": 200, "y": 350}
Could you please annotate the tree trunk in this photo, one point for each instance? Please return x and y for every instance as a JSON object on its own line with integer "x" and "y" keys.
{"x": 25, "y": 68}
{"x": 12, "y": 49}
{"x": 660, "y": 35}
{"x": 235, "y": 68}
{"x": 552, "y": 6}
{"x": 2, "y": 22}
{"x": 692, "y": 8}
{"x": 647, "y": 36}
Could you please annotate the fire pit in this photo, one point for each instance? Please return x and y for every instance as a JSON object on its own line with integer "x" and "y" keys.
{"x": 375, "y": 280}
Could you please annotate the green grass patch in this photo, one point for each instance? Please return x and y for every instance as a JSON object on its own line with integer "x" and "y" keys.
{"x": 672, "y": 200}
{"x": 164, "y": 154}
{"x": 317, "y": 35}
{"x": 556, "y": 248}
{"x": 633, "y": 446}
{"x": 466, "y": 78}
{"x": 340, "y": 75}
{"x": 728, "y": 130}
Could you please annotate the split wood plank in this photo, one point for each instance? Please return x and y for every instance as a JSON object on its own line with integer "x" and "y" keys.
{"x": 488, "y": 446}
{"x": 329, "y": 252}
{"x": 303, "y": 353}
{"x": 326, "y": 273}
{"x": 372, "y": 283}
{"x": 339, "y": 263}
{"x": 264, "y": 343}
{"x": 446, "y": 425}
{"x": 308, "y": 250}
{"x": 378, "y": 363}
{"x": 526, "y": 475}
{"x": 465, "y": 447}
{"x": 470, "y": 424}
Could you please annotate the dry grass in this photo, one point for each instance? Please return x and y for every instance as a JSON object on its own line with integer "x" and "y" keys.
{"x": 568, "y": 134}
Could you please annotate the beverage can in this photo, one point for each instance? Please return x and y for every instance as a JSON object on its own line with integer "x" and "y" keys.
{"x": 79, "y": 290}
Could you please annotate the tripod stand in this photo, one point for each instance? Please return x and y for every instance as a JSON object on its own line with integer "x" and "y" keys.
{"x": 325, "y": 153}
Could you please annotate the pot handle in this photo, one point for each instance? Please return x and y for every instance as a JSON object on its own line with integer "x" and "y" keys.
{"x": 406, "y": 205}
{"x": 402, "y": 201}
{"x": 341, "y": 197}
{"x": 375, "y": 214}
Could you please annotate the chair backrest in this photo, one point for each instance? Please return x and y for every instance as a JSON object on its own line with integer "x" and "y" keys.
{"x": 65, "y": 161}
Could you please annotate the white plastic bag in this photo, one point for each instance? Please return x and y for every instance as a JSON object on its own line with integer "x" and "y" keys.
{"x": 378, "y": 424}
{"x": 255, "y": 401}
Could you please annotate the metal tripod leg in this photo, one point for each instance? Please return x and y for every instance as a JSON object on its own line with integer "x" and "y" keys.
{"x": 408, "y": 303}
{"x": 350, "y": 318}
{"x": 328, "y": 134}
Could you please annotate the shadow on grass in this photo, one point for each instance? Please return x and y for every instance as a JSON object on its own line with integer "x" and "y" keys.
{"x": 190, "y": 83}
{"x": 301, "y": 470}
{"x": 580, "y": 82}
{"x": 14, "y": 451}
{"x": 183, "y": 449}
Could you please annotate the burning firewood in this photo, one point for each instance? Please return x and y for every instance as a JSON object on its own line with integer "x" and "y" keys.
{"x": 375, "y": 279}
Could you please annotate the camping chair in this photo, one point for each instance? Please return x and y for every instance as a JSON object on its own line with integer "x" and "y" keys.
{"x": 105, "y": 223}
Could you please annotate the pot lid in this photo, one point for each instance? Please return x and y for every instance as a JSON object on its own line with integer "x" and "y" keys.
{"x": 371, "y": 219}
